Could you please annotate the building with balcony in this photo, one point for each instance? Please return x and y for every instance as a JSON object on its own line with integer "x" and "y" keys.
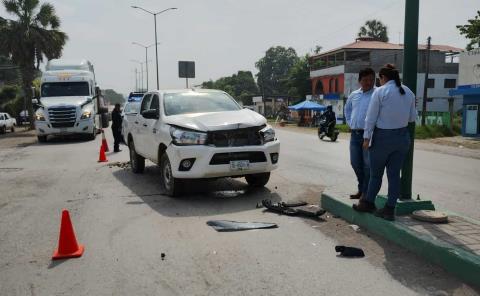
{"x": 334, "y": 73}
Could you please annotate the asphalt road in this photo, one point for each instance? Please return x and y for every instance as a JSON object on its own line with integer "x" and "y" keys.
{"x": 125, "y": 223}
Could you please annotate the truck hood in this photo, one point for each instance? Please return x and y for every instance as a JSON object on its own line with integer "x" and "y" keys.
{"x": 63, "y": 101}
{"x": 216, "y": 121}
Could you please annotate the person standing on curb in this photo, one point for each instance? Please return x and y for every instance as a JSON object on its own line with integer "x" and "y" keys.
{"x": 117, "y": 127}
{"x": 355, "y": 113}
{"x": 387, "y": 139}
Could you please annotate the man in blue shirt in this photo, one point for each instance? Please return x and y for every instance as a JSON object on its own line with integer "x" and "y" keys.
{"x": 355, "y": 113}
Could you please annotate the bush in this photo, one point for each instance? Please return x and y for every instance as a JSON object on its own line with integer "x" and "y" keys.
{"x": 435, "y": 131}
{"x": 343, "y": 128}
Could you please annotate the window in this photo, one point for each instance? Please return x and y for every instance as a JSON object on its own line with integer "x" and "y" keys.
{"x": 65, "y": 89}
{"x": 155, "y": 103}
{"x": 146, "y": 102}
{"x": 198, "y": 102}
{"x": 1, "y": 117}
{"x": 431, "y": 83}
{"x": 450, "y": 83}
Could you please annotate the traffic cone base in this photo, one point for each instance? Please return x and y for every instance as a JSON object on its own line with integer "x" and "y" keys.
{"x": 57, "y": 255}
{"x": 67, "y": 242}
{"x": 102, "y": 157}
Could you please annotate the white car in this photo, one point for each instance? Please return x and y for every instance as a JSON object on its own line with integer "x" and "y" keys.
{"x": 7, "y": 122}
{"x": 201, "y": 133}
{"x": 129, "y": 113}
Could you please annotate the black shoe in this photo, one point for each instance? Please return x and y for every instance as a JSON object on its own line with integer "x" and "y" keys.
{"x": 118, "y": 150}
{"x": 364, "y": 206}
{"x": 356, "y": 195}
{"x": 386, "y": 213}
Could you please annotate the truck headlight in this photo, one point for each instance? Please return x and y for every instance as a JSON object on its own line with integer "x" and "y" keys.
{"x": 268, "y": 134}
{"x": 39, "y": 116}
{"x": 186, "y": 137}
{"x": 86, "y": 115}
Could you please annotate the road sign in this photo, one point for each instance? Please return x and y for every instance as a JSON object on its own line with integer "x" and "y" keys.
{"x": 186, "y": 69}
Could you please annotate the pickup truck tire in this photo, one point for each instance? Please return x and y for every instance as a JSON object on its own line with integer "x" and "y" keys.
{"x": 258, "y": 180}
{"x": 170, "y": 184}
{"x": 136, "y": 161}
{"x": 3, "y": 129}
{"x": 42, "y": 139}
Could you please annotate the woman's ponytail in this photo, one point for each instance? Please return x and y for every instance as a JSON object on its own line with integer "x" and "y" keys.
{"x": 390, "y": 72}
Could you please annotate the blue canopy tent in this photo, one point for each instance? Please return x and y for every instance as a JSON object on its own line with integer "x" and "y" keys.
{"x": 307, "y": 105}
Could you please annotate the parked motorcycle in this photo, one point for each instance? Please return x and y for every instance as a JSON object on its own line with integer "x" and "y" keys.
{"x": 328, "y": 130}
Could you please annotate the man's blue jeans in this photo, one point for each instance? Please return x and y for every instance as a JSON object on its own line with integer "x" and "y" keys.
{"x": 359, "y": 160}
{"x": 389, "y": 149}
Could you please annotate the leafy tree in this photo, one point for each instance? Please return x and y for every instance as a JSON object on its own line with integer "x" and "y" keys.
{"x": 8, "y": 93}
{"x": 472, "y": 31}
{"x": 299, "y": 82}
{"x": 273, "y": 70}
{"x": 113, "y": 97}
{"x": 374, "y": 29}
{"x": 31, "y": 37}
{"x": 240, "y": 86}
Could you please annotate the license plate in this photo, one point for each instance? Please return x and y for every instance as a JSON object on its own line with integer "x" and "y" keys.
{"x": 239, "y": 165}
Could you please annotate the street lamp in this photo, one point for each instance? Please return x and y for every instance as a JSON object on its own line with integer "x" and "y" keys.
{"x": 155, "y": 22}
{"x": 141, "y": 72}
{"x": 146, "y": 56}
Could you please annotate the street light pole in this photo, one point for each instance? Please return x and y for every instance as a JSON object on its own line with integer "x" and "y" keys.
{"x": 156, "y": 41}
{"x": 146, "y": 57}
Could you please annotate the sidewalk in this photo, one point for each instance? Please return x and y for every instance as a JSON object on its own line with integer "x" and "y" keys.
{"x": 455, "y": 245}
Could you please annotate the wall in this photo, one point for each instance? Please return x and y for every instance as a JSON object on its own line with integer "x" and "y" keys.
{"x": 469, "y": 72}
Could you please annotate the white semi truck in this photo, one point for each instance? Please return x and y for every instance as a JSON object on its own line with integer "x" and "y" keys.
{"x": 70, "y": 101}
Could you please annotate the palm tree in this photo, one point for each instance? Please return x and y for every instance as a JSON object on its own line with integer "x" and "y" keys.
{"x": 33, "y": 35}
{"x": 374, "y": 29}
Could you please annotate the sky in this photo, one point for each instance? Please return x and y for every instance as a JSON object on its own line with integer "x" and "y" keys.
{"x": 224, "y": 36}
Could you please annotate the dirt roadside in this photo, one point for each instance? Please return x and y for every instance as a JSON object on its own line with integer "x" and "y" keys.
{"x": 19, "y": 138}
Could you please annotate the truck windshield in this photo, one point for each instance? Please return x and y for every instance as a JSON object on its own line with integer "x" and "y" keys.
{"x": 65, "y": 89}
{"x": 198, "y": 102}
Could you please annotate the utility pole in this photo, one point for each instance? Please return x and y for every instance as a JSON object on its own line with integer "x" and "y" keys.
{"x": 410, "y": 51}
{"x": 425, "y": 86}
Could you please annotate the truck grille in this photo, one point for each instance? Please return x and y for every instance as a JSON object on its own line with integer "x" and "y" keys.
{"x": 235, "y": 138}
{"x": 62, "y": 116}
{"x": 225, "y": 158}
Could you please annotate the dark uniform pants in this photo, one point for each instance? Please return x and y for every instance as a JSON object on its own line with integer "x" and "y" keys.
{"x": 117, "y": 136}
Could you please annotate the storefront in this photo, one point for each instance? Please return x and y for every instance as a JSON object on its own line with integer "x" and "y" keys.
{"x": 471, "y": 109}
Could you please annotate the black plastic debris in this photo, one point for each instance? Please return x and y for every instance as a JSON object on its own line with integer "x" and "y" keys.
{"x": 349, "y": 251}
{"x": 162, "y": 256}
{"x": 294, "y": 209}
{"x": 225, "y": 225}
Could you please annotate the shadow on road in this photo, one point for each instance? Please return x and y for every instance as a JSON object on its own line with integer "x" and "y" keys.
{"x": 199, "y": 197}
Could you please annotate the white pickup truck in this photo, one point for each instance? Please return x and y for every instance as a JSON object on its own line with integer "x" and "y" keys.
{"x": 7, "y": 122}
{"x": 201, "y": 133}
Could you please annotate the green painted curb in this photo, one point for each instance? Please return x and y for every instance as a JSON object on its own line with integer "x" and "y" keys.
{"x": 405, "y": 207}
{"x": 455, "y": 260}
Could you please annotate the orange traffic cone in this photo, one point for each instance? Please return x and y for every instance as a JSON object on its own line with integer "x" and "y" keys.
{"x": 67, "y": 243}
{"x": 102, "y": 157}
{"x": 104, "y": 142}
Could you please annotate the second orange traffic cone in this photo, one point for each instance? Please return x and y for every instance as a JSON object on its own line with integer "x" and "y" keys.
{"x": 102, "y": 157}
{"x": 104, "y": 142}
{"x": 67, "y": 242}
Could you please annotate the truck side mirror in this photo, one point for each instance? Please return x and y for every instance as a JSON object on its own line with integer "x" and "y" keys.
{"x": 151, "y": 114}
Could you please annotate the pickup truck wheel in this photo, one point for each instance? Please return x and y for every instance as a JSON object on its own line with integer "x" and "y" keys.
{"x": 136, "y": 161}
{"x": 3, "y": 129}
{"x": 172, "y": 185}
{"x": 258, "y": 180}
{"x": 42, "y": 139}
